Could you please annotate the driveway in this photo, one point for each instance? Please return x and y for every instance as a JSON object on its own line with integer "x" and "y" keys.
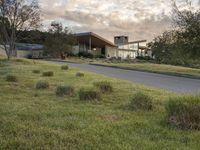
{"x": 166, "y": 82}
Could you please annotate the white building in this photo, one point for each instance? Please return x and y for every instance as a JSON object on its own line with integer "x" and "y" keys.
{"x": 97, "y": 45}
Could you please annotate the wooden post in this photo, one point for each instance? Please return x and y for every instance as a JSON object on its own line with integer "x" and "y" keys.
{"x": 90, "y": 43}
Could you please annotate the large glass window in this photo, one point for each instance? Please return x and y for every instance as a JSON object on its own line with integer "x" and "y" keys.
{"x": 133, "y": 46}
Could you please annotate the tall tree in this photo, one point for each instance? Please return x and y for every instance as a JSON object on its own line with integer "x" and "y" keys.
{"x": 59, "y": 40}
{"x": 16, "y": 15}
{"x": 187, "y": 21}
{"x": 182, "y": 44}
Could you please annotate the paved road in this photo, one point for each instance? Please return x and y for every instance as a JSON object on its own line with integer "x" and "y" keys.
{"x": 167, "y": 82}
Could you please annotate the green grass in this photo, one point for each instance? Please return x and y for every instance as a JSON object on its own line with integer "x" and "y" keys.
{"x": 159, "y": 68}
{"x": 38, "y": 119}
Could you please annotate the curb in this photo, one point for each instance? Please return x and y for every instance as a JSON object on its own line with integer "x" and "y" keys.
{"x": 148, "y": 71}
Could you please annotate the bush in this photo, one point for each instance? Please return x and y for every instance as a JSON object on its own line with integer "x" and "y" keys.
{"x": 79, "y": 74}
{"x": 104, "y": 86}
{"x": 65, "y": 67}
{"x": 48, "y": 74}
{"x": 42, "y": 85}
{"x": 65, "y": 91}
{"x": 11, "y": 78}
{"x": 141, "y": 101}
{"x": 36, "y": 71}
{"x": 100, "y": 56}
{"x": 89, "y": 95}
{"x": 184, "y": 112}
{"x": 86, "y": 55}
{"x": 144, "y": 58}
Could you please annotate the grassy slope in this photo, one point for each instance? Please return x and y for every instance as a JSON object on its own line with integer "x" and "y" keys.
{"x": 160, "y": 68}
{"x": 40, "y": 120}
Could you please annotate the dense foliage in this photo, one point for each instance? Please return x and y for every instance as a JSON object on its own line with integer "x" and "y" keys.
{"x": 180, "y": 46}
{"x": 59, "y": 41}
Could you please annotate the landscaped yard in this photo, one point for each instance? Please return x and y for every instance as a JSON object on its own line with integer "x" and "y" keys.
{"x": 33, "y": 118}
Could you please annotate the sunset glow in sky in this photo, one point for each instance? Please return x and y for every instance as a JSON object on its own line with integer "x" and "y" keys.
{"x": 139, "y": 19}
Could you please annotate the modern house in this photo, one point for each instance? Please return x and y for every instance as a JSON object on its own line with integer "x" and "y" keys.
{"x": 97, "y": 45}
{"x": 128, "y": 49}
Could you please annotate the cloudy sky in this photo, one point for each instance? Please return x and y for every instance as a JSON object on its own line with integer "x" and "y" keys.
{"x": 139, "y": 19}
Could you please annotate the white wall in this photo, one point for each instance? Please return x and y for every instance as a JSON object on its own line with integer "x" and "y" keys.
{"x": 127, "y": 54}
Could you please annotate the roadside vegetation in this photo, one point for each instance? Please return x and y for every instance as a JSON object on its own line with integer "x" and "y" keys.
{"x": 140, "y": 65}
{"x": 72, "y": 113}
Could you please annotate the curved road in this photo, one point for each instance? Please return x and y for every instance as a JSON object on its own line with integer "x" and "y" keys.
{"x": 167, "y": 82}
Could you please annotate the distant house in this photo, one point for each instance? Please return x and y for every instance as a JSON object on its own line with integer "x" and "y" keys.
{"x": 29, "y": 50}
{"x": 97, "y": 45}
{"x": 26, "y": 50}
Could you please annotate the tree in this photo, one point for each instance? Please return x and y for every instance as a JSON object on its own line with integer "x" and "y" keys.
{"x": 182, "y": 44}
{"x": 16, "y": 15}
{"x": 187, "y": 21}
{"x": 59, "y": 40}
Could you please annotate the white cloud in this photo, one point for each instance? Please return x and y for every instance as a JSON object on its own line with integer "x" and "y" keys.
{"x": 140, "y": 19}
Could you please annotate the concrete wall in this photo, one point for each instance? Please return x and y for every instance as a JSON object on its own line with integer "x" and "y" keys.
{"x": 111, "y": 51}
{"x": 26, "y": 53}
{"x": 2, "y": 51}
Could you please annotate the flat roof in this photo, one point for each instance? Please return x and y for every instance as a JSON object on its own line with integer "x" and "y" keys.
{"x": 88, "y": 34}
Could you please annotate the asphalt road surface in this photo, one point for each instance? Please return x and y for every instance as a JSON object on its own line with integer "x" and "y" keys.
{"x": 160, "y": 81}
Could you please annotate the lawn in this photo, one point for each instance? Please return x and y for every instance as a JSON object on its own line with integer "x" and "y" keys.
{"x": 151, "y": 67}
{"x": 157, "y": 68}
{"x": 38, "y": 119}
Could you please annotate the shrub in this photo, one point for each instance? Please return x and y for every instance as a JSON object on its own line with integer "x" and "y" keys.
{"x": 141, "y": 101}
{"x": 104, "y": 86}
{"x": 11, "y": 78}
{"x": 36, "y": 71}
{"x": 89, "y": 95}
{"x": 79, "y": 74}
{"x": 65, "y": 91}
{"x": 86, "y": 55}
{"x": 65, "y": 67}
{"x": 184, "y": 112}
{"x": 144, "y": 58}
{"x": 42, "y": 85}
{"x": 48, "y": 74}
{"x": 100, "y": 56}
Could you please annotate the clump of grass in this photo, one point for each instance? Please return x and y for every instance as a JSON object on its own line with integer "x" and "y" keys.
{"x": 141, "y": 101}
{"x": 11, "y": 78}
{"x": 48, "y": 74}
{"x": 36, "y": 71}
{"x": 65, "y": 67}
{"x": 23, "y": 61}
{"x": 42, "y": 85}
{"x": 87, "y": 94}
{"x": 184, "y": 112}
{"x": 104, "y": 86}
{"x": 65, "y": 91}
{"x": 80, "y": 74}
